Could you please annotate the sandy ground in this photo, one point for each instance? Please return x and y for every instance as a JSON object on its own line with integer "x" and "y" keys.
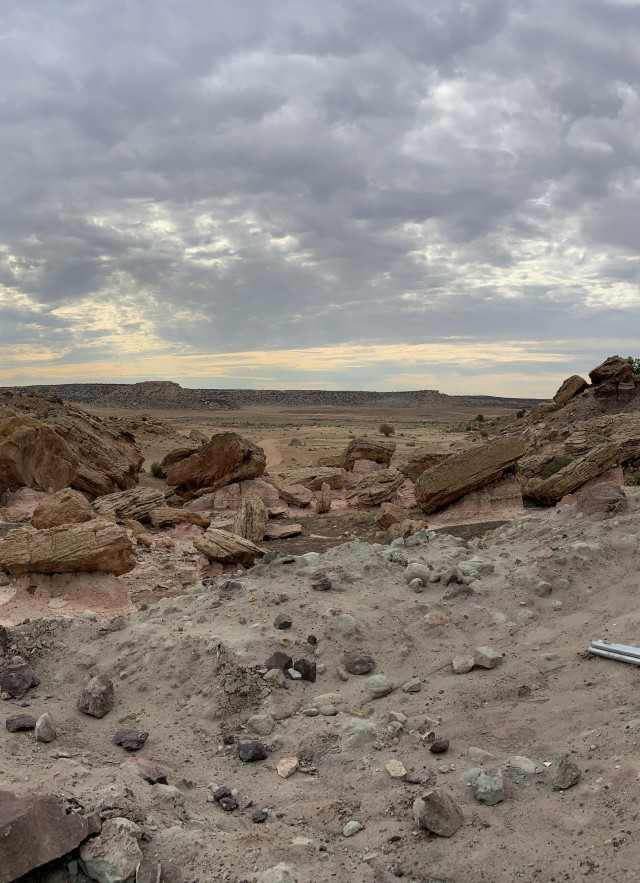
{"x": 188, "y": 667}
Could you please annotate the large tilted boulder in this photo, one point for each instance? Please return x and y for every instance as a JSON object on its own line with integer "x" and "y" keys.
{"x": 569, "y": 389}
{"x": 367, "y": 449}
{"x": 467, "y": 470}
{"x": 227, "y": 458}
{"x": 178, "y": 454}
{"x": 65, "y": 507}
{"x": 599, "y": 459}
{"x": 136, "y": 504}
{"x": 94, "y": 546}
{"x": 377, "y": 487}
{"x": 227, "y": 548}
{"x": 313, "y": 477}
{"x": 167, "y": 516}
{"x": 34, "y": 455}
{"x": 251, "y": 519}
{"x": 293, "y": 494}
{"x": 36, "y": 829}
{"x": 614, "y": 369}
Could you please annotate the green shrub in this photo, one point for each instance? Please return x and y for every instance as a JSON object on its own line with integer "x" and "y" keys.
{"x": 386, "y": 429}
{"x": 556, "y": 465}
{"x": 156, "y": 470}
{"x": 635, "y": 479}
{"x": 480, "y": 418}
{"x": 521, "y": 414}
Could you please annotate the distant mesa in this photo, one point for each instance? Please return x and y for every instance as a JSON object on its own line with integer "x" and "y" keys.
{"x": 168, "y": 395}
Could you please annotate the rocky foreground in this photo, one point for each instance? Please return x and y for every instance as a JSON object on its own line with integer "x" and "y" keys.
{"x": 188, "y": 698}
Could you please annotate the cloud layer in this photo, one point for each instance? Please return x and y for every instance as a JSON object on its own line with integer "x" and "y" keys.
{"x": 346, "y": 194}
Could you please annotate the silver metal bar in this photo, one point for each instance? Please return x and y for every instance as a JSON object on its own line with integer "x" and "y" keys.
{"x": 623, "y": 649}
{"x": 619, "y": 657}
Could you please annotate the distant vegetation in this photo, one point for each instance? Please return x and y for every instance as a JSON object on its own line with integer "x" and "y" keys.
{"x": 635, "y": 364}
{"x": 386, "y": 429}
{"x": 156, "y": 470}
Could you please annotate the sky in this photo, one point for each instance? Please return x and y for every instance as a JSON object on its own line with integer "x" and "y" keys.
{"x": 346, "y": 194}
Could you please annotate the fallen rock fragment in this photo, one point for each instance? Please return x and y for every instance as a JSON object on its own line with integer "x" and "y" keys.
{"x": 358, "y": 663}
{"x": 486, "y": 657}
{"x": 168, "y": 516}
{"x": 487, "y": 788}
{"x": 413, "y": 685}
{"x": 131, "y": 740}
{"x": 251, "y": 519}
{"x": 16, "y": 679}
{"x": 379, "y": 685}
{"x": 293, "y": 494}
{"x": 227, "y": 548}
{"x": 226, "y": 459}
{"x": 250, "y": 750}
{"x": 396, "y": 769}
{"x": 37, "y": 829}
{"x": 135, "y": 504}
{"x": 149, "y": 871}
{"x": 439, "y": 746}
{"x": 306, "y": 669}
{"x": 282, "y": 531}
{"x": 437, "y": 812}
{"x": 462, "y": 665}
{"x": 283, "y": 621}
{"x": 45, "y": 729}
{"x": 377, "y": 487}
{"x": 114, "y": 855}
{"x": 352, "y": 828}
{"x": 569, "y": 389}
{"x": 18, "y": 722}
{"x": 287, "y": 766}
{"x": 323, "y": 503}
{"x": 565, "y": 773}
{"x": 97, "y": 697}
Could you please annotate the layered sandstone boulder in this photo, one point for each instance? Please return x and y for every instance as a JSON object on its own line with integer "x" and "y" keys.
{"x": 227, "y": 548}
{"x": 390, "y": 514}
{"x": 569, "y": 389}
{"x": 578, "y": 472}
{"x": 168, "y": 516}
{"x": 313, "y": 477}
{"x": 178, "y": 454}
{"x": 367, "y": 449}
{"x": 251, "y": 519}
{"x": 65, "y": 507}
{"x": 34, "y": 455}
{"x": 136, "y": 504}
{"x": 615, "y": 369}
{"x": 226, "y": 459}
{"x": 377, "y": 487}
{"x": 293, "y": 494}
{"x": 466, "y": 471}
{"x": 94, "y": 546}
{"x": 323, "y": 503}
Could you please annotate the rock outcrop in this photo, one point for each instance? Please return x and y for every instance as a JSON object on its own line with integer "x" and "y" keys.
{"x": 377, "y": 487}
{"x": 227, "y": 548}
{"x": 570, "y": 388}
{"x": 226, "y": 459}
{"x": 34, "y": 455}
{"x": 615, "y": 369}
{"x": 136, "y": 504}
{"x": 367, "y": 449}
{"x": 94, "y": 546}
{"x": 549, "y": 491}
{"x": 35, "y": 830}
{"x": 466, "y": 471}
{"x": 65, "y": 507}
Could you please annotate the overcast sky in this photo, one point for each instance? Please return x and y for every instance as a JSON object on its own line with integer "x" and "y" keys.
{"x": 377, "y": 194}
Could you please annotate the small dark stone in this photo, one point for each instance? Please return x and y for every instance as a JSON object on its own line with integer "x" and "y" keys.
{"x": 132, "y": 740}
{"x": 279, "y": 660}
{"x": 412, "y": 779}
{"x": 312, "y": 640}
{"x": 307, "y": 669}
{"x": 261, "y": 815}
{"x": 439, "y": 746}
{"x": 20, "y": 722}
{"x": 228, "y": 738}
{"x": 228, "y": 804}
{"x": 221, "y": 792}
{"x": 283, "y": 621}
{"x": 358, "y": 663}
{"x": 17, "y": 679}
{"x": 323, "y": 584}
{"x": 395, "y": 838}
{"x": 250, "y": 750}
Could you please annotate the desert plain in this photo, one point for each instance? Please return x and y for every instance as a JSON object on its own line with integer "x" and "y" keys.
{"x": 312, "y": 666}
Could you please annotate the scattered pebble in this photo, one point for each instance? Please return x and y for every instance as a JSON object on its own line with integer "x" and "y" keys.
{"x": 564, "y": 774}
{"x": 283, "y": 621}
{"x": 352, "y": 828}
{"x": 396, "y": 769}
{"x": 287, "y": 766}
{"x": 439, "y": 746}
{"x": 487, "y": 657}
{"x": 45, "y": 729}
{"x": 250, "y": 750}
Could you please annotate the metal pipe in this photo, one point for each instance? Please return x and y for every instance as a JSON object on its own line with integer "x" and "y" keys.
{"x": 619, "y": 657}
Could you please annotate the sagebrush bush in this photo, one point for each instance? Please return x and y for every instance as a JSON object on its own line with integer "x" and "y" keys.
{"x": 556, "y": 465}
{"x": 156, "y": 470}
